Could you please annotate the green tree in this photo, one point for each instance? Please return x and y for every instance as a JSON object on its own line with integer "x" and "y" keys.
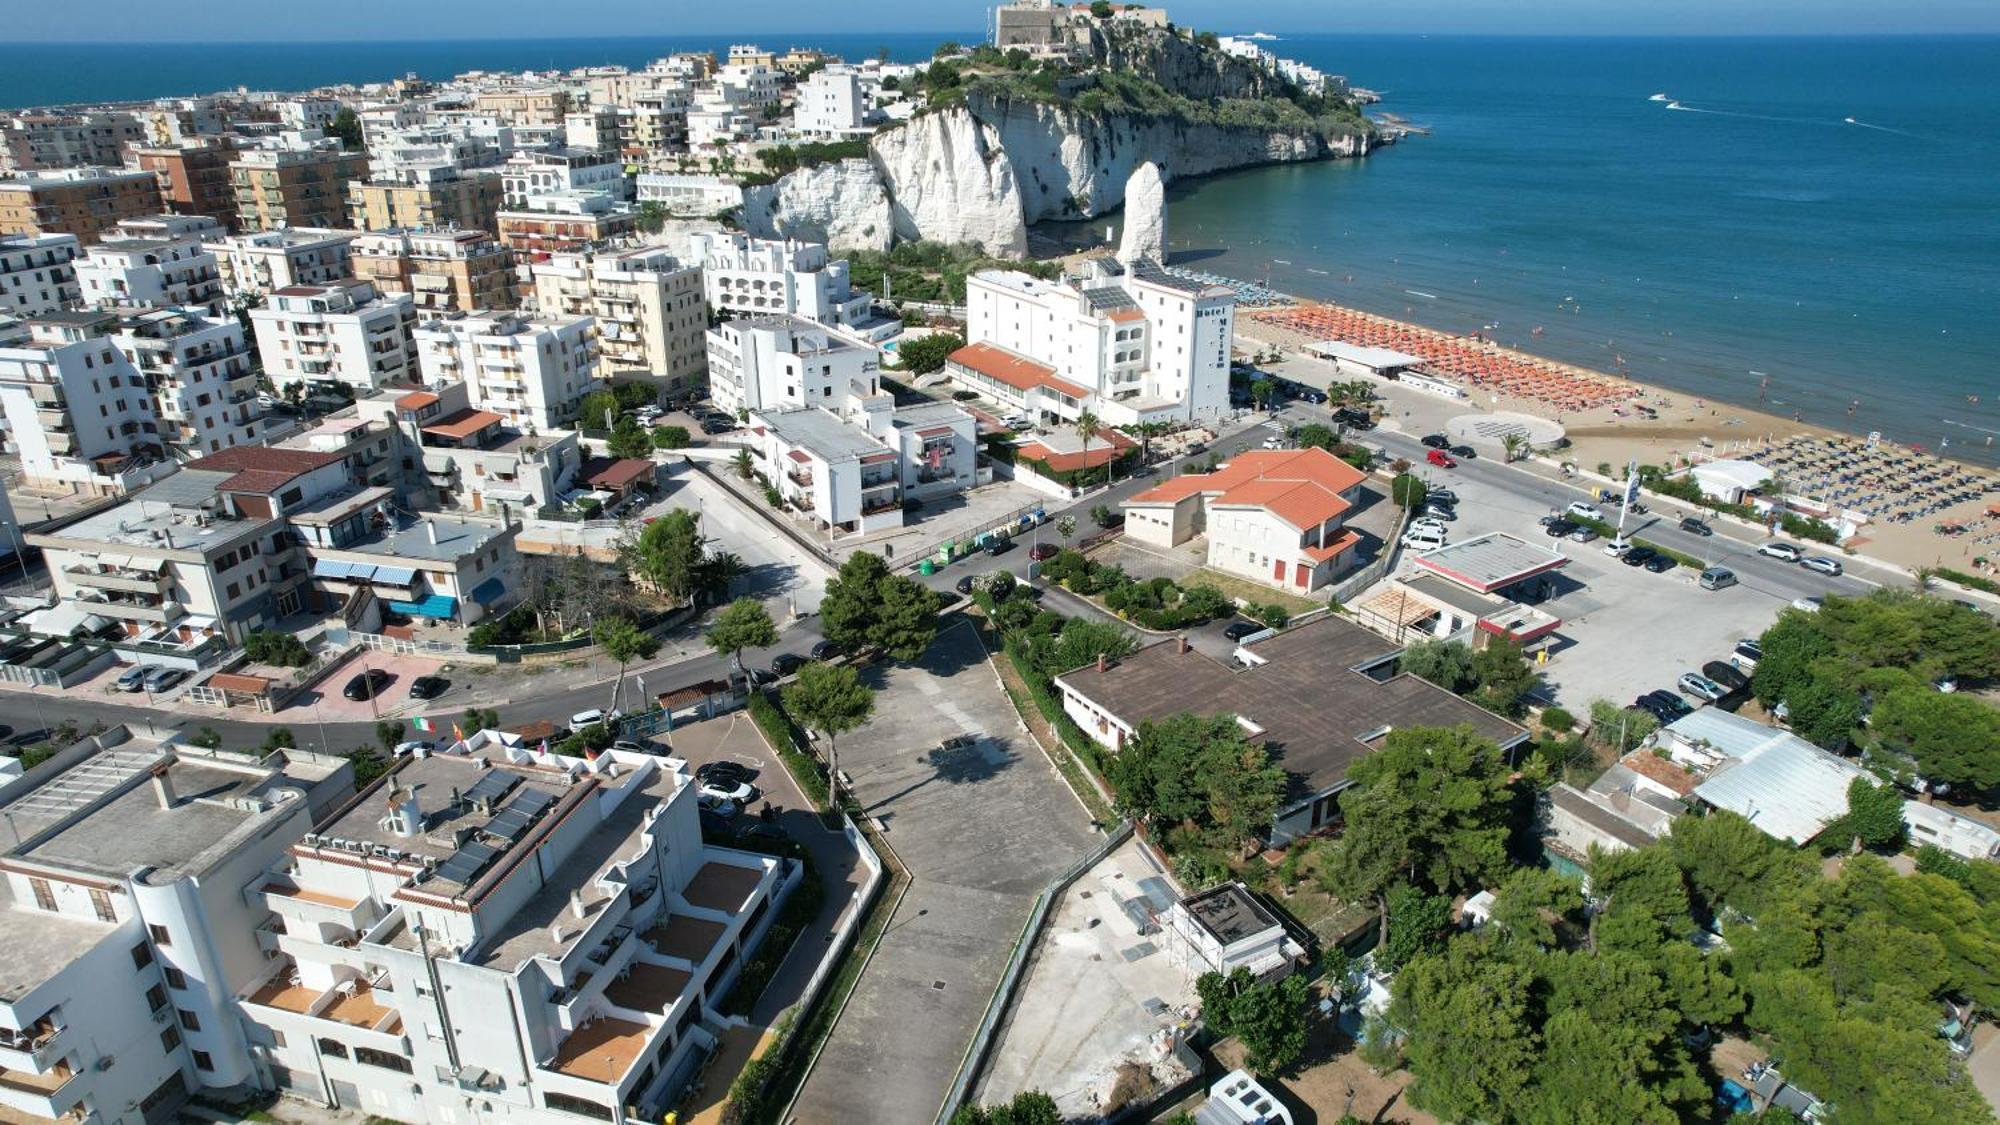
{"x": 1823, "y": 712}
{"x": 208, "y": 738}
{"x": 275, "y": 739}
{"x": 1081, "y": 642}
{"x": 598, "y": 410}
{"x": 1533, "y": 902}
{"x": 1086, "y": 428}
{"x": 668, "y": 554}
{"x": 1621, "y": 728}
{"x": 1198, "y": 770}
{"x": 346, "y": 125}
{"x": 1730, "y": 862}
{"x": 477, "y": 719}
{"x": 1418, "y": 921}
{"x": 1066, "y": 527}
{"x": 865, "y": 606}
{"x": 832, "y": 700}
{"x": 389, "y": 733}
{"x": 1100, "y": 9}
{"x": 652, "y": 216}
{"x": 925, "y": 354}
{"x": 1407, "y": 492}
{"x": 1447, "y": 664}
{"x": 1268, "y": 1016}
{"x": 280, "y": 650}
{"x": 1504, "y": 677}
{"x": 1263, "y": 392}
{"x": 1874, "y": 815}
{"x": 624, "y": 642}
{"x": 629, "y": 439}
{"x": 1511, "y": 445}
{"x": 906, "y": 618}
{"x": 1948, "y": 737}
{"x": 671, "y": 437}
{"x": 1472, "y": 1041}
{"x": 742, "y": 624}
{"x": 1316, "y": 435}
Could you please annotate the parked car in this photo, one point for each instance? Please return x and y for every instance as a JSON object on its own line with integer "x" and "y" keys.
{"x": 1587, "y": 511}
{"x": 1653, "y": 707}
{"x": 1808, "y": 605}
{"x": 1671, "y": 702}
{"x": 1582, "y": 534}
{"x": 1693, "y": 526}
{"x": 1422, "y": 540}
{"x": 1441, "y": 496}
{"x": 1240, "y": 629}
{"x": 367, "y": 685}
{"x": 1726, "y": 675}
{"x": 1639, "y": 556}
{"x": 133, "y": 678}
{"x": 1274, "y": 442}
{"x": 785, "y": 663}
{"x": 1560, "y": 527}
{"x": 415, "y": 745}
{"x": 721, "y": 807}
{"x": 764, "y": 830}
{"x": 1353, "y": 419}
{"x": 1660, "y": 564}
{"x": 1701, "y": 687}
{"x": 593, "y": 717}
{"x": 999, "y": 545}
{"x": 964, "y": 585}
{"x": 1437, "y": 526}
{"x": 160, "y": 679}
{"x": 1822, "y": 565}
{"x": 1717, "y": 578}
{"x": 723, "y": 771}
{"x": 1465, "y": 452}
{"x": 1783, "y": 551}
{"x": 1317, "y": 398}
{"x": 1435, "y": 441}
{"x": 727, "y": 789}
{"x": 1042, "y": 551}
{"x": 1617, "y": 547}
{"x": 825, "y": 650}
{"x": 428, "y": 687}
{"x": 1443, "y": 513}
{"x": 1746, "y": 654}
{"x": 1441, "y": 459}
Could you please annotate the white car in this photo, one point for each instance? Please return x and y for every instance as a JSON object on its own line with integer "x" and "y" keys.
{"x": 1808, "y": 605}
{"x": 1422, "y": 539}
{"x": 1616, "y": 548}
{"x": 1784, "y": 551}
{"x": 415, "y": 746}
{"x": 593, "y": 717}
{"x": 1820, "y": 563}
{"x": 1587, "y": 511}
{"x": 1435, "y": 525}
{"x": 721, "y": 789}
{"x": 1274, "y": 443}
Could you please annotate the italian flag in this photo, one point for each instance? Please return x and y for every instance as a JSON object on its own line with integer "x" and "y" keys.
{"x": 422, "y": 724}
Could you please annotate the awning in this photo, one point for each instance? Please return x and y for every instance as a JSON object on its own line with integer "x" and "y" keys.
{"x": 509, "y": 496}
{"x": 331, "y": 568}
{"x": 395, "y": 575}
{"x": 360, "y": 572}
{"x": 437, "y": 605}
{"x": 119, "y": 561}
{"x": 153, "y": 566}
{"x": 488, "y": 591}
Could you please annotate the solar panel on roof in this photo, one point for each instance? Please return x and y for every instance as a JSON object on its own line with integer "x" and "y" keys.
{"x": 508, "y": 825}
{"x": 493, "y": 786}
{"x": 480, "y": 854}
{"x": 531, "y": 802}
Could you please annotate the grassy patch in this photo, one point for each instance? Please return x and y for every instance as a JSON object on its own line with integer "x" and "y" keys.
{"x": 1239, "y": 588}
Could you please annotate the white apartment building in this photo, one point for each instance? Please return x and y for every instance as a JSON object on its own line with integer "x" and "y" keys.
{"x": 529, "y": 372}
{"x": 257, "y": 264}
{"x": 347, "y": 332}
{"x": 531, "y": 180}
{"x": 780, "y": 362}
{"x": 35, "y": 141}
{"x": 1143, "y": 344}
{"x": 37, "y": 274}
{"x": 128, "y": 921}
{"x": 125, "y": 269}
{"x": 651, "y": 320}
{"x": 689, "y": 194}
{"x": 492, "y": 933}
{"x": 831, "y": 104}
{"x": 167, "y": 226}
{"x": 78, "y": 412}
{"x": 203, "y": 382}
{"x": 418, "y": 155}
{"x": 308, "y": 112}
{"x": 854, "y": 473}
{"x": 776, "y": 277}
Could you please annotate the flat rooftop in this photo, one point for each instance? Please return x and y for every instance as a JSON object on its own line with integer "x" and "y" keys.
{"x": 133, "y": 524}
{"x": 1492, "y": 561}
{"x": 1229, "y": 913}
{"x": 820, "y": 432}
{"x": 601, "y": 1051}
{"x": 449, "y": 789}
{"x": 36, "y": 945}
{"x": 927, "y": 414}
{"x": 1317, "y": 713}
{"x": 456, "y": 538}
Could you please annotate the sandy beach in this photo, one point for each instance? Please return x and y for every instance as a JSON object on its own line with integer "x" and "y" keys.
{"x": 1686, "y": 429}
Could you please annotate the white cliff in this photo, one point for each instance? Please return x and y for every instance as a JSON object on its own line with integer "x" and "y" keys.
{"x": 840, "y": 203}
{"x": 950, "y": 180}
{"x": 1143, "y": 233}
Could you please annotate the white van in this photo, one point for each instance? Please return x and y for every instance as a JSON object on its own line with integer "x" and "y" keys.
{"x": 1423, "y": 539}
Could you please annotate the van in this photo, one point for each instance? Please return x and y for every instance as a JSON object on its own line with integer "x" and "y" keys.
{"x": 1717, "y": 578}
{"x": 1423, "y": 539}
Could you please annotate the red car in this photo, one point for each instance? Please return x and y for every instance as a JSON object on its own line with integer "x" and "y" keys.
{"x": 1442, "y": 459}
{"x": 1044, "y": 551}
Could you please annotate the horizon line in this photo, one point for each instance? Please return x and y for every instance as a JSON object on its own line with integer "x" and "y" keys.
{"x": 1983, "y": 33}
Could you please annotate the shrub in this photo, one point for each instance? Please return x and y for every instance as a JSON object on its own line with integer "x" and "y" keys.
{"x": 784, "y": 734}
{"x": 1805, "y": 527}
{"x": 282, "y": 650}
{"x": 671, "y": 437}
{"x": 1407, "y": 491}
{"x": 1557, "y": 719}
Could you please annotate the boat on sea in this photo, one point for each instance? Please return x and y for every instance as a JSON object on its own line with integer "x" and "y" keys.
{"x": 1421, "y": 293}
{"x": 1657, "y": 98}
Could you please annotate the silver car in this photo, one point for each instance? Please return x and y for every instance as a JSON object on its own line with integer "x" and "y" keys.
{"x": 1701, "y": 687}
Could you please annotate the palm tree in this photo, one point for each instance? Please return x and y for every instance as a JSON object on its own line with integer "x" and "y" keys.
{"x": 1086, "y": 428}
{"x": 720, "y": 572}
{"x": 1511, "y": 445}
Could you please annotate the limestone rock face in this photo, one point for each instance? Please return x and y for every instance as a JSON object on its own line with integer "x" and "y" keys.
{"x": 842, "y": 204}
{"x": 950, "y": 180}
{"x": 1145, "y": 226}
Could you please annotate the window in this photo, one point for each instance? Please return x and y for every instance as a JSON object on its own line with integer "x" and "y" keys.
{"x": 160, "y": 935}
{"x": 45, "y": 898}
{"x": 156, "y": 997}
{"x": 278, "y": 1039}
{"x": 170, "y": 1040}
{"x": 333, "y": 1047}
{"x": 175, "y": 978}
{"x": 189, "y": 1020}
{"x": 202, "y": 1061}
{"x": 575, "y": 1105}
{"x": 142, "y": 955}
{"x": 369, "y": 1056}
{"x": 101, "y": 902}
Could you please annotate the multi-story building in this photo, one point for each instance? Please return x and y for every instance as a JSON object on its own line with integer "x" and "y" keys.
{"x": 415, "y": 149}
{"x": 854, "y": 473}
{"x": 594, "y": 129}
{"x": 528, "y": 372}
{"x": 1142, "y": 344}
{"x": 575, "y": 898}
{"x": 282, "y": 188}
{"x": 37, "y": 274}
{"x": 544, "y": 106}
{"x": 777, "y": 277}
{"x": 564, "y": 199}
{"x": 778, "y": 362}
{"x": 648, "y": 305}
{"x": 441, "y": 270}
{"x": 346, "y": 333}
{"x": 78, "y": 412}
{"x": 505, "y": 470}
{"x": 308, "y": 111}
{"x": 831, "y": 104}
{"x": 128, "y": 920}
{"x": 689, "y": 194}
{"x": 1274, "y": 517}
{"x": 654, "y": 127}
{"x": 31, "y": 142}
{"x": 530, "y": 176}
{"x": 200, "y": 374}
{"x": 194, "y": 176}
{"x": 125, "y": 269}
{"x": 566, "y": 224}
{"x": 431, "y": 197}
{"x": 84, "y": 202}
{"x": 256, "y": 264}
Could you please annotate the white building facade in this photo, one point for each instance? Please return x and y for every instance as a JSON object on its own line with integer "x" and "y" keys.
{"x": 341, "y": 333}
{"x": 530, "y": 372}
{"x": 38, "y": 274}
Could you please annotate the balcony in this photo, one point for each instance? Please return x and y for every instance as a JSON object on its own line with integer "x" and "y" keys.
{"x": 33, "y": 1051}
{"x": 46, "y": 394}
{"x": 127, "y": 579}
{"x": 352, "y": 1003}
{"x": 601, "y": 1051}
{"x": 52, "y": 1094}
{"x": 305, "y": 910}
{"x": 130, "y": 607}
{"x": 803, "y": 480}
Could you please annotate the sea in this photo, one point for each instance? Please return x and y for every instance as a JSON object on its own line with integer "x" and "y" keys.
{"x": 1805, "y": 225}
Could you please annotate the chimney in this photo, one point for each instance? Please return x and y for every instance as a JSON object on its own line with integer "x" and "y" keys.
{"x": 163, "y": 786}
{"x": 1181, "y": 643}
{"x": 431, "y": 526}
{"x": 576, "y": 903}
{"x": 406, "y": 816}
{"x": 1100, "y": 662}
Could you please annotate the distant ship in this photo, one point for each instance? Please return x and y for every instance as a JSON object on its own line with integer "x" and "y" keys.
{"x": 1265, "y": 35}
{"x": 1657, "y": 98}
{"x": 1850, "y": 121}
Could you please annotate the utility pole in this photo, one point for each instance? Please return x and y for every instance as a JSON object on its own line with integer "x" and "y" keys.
{"x": 1631, "y": 493}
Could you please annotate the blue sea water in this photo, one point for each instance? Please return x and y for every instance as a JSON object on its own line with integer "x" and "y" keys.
{"x": 1756, "y": 230}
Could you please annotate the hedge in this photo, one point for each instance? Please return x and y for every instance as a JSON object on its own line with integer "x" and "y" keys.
{"x": 1969, "y": 581}
{"x": 786, "y": 737}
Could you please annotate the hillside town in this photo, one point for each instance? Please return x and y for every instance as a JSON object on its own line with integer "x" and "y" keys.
{"x": 517, "y": 610}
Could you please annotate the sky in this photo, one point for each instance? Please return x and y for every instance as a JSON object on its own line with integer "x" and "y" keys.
{"x": 229, "y": 20}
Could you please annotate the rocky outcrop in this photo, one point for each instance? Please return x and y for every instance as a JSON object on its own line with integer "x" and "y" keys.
{"x": 949, "y": 179}
{"x": 842, "y": 204}
{"x": 1144, "y": 232}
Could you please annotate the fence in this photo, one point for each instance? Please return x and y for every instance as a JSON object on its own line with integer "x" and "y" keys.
{"x": 1014, "y": 522}
{"x": 396, "y": 646}
{"x": 981, "y": 1047}
{"x": 1347, "y": 588}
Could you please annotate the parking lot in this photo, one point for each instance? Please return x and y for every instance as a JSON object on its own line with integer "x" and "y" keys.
{"x": 325, "y": 700}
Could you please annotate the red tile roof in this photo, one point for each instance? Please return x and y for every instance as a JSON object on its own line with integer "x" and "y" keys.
{"x": 1016, "y": 371}
{"x": 464, "y": 424}
{"x": 262, "y": 468}
{"x": 1103, "y": 447}
{"x": 601, "y": 473}
{"x": 1342, "y": 543}
{"x": 1300, "y": 486}
{"x": 416, "y": 400}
